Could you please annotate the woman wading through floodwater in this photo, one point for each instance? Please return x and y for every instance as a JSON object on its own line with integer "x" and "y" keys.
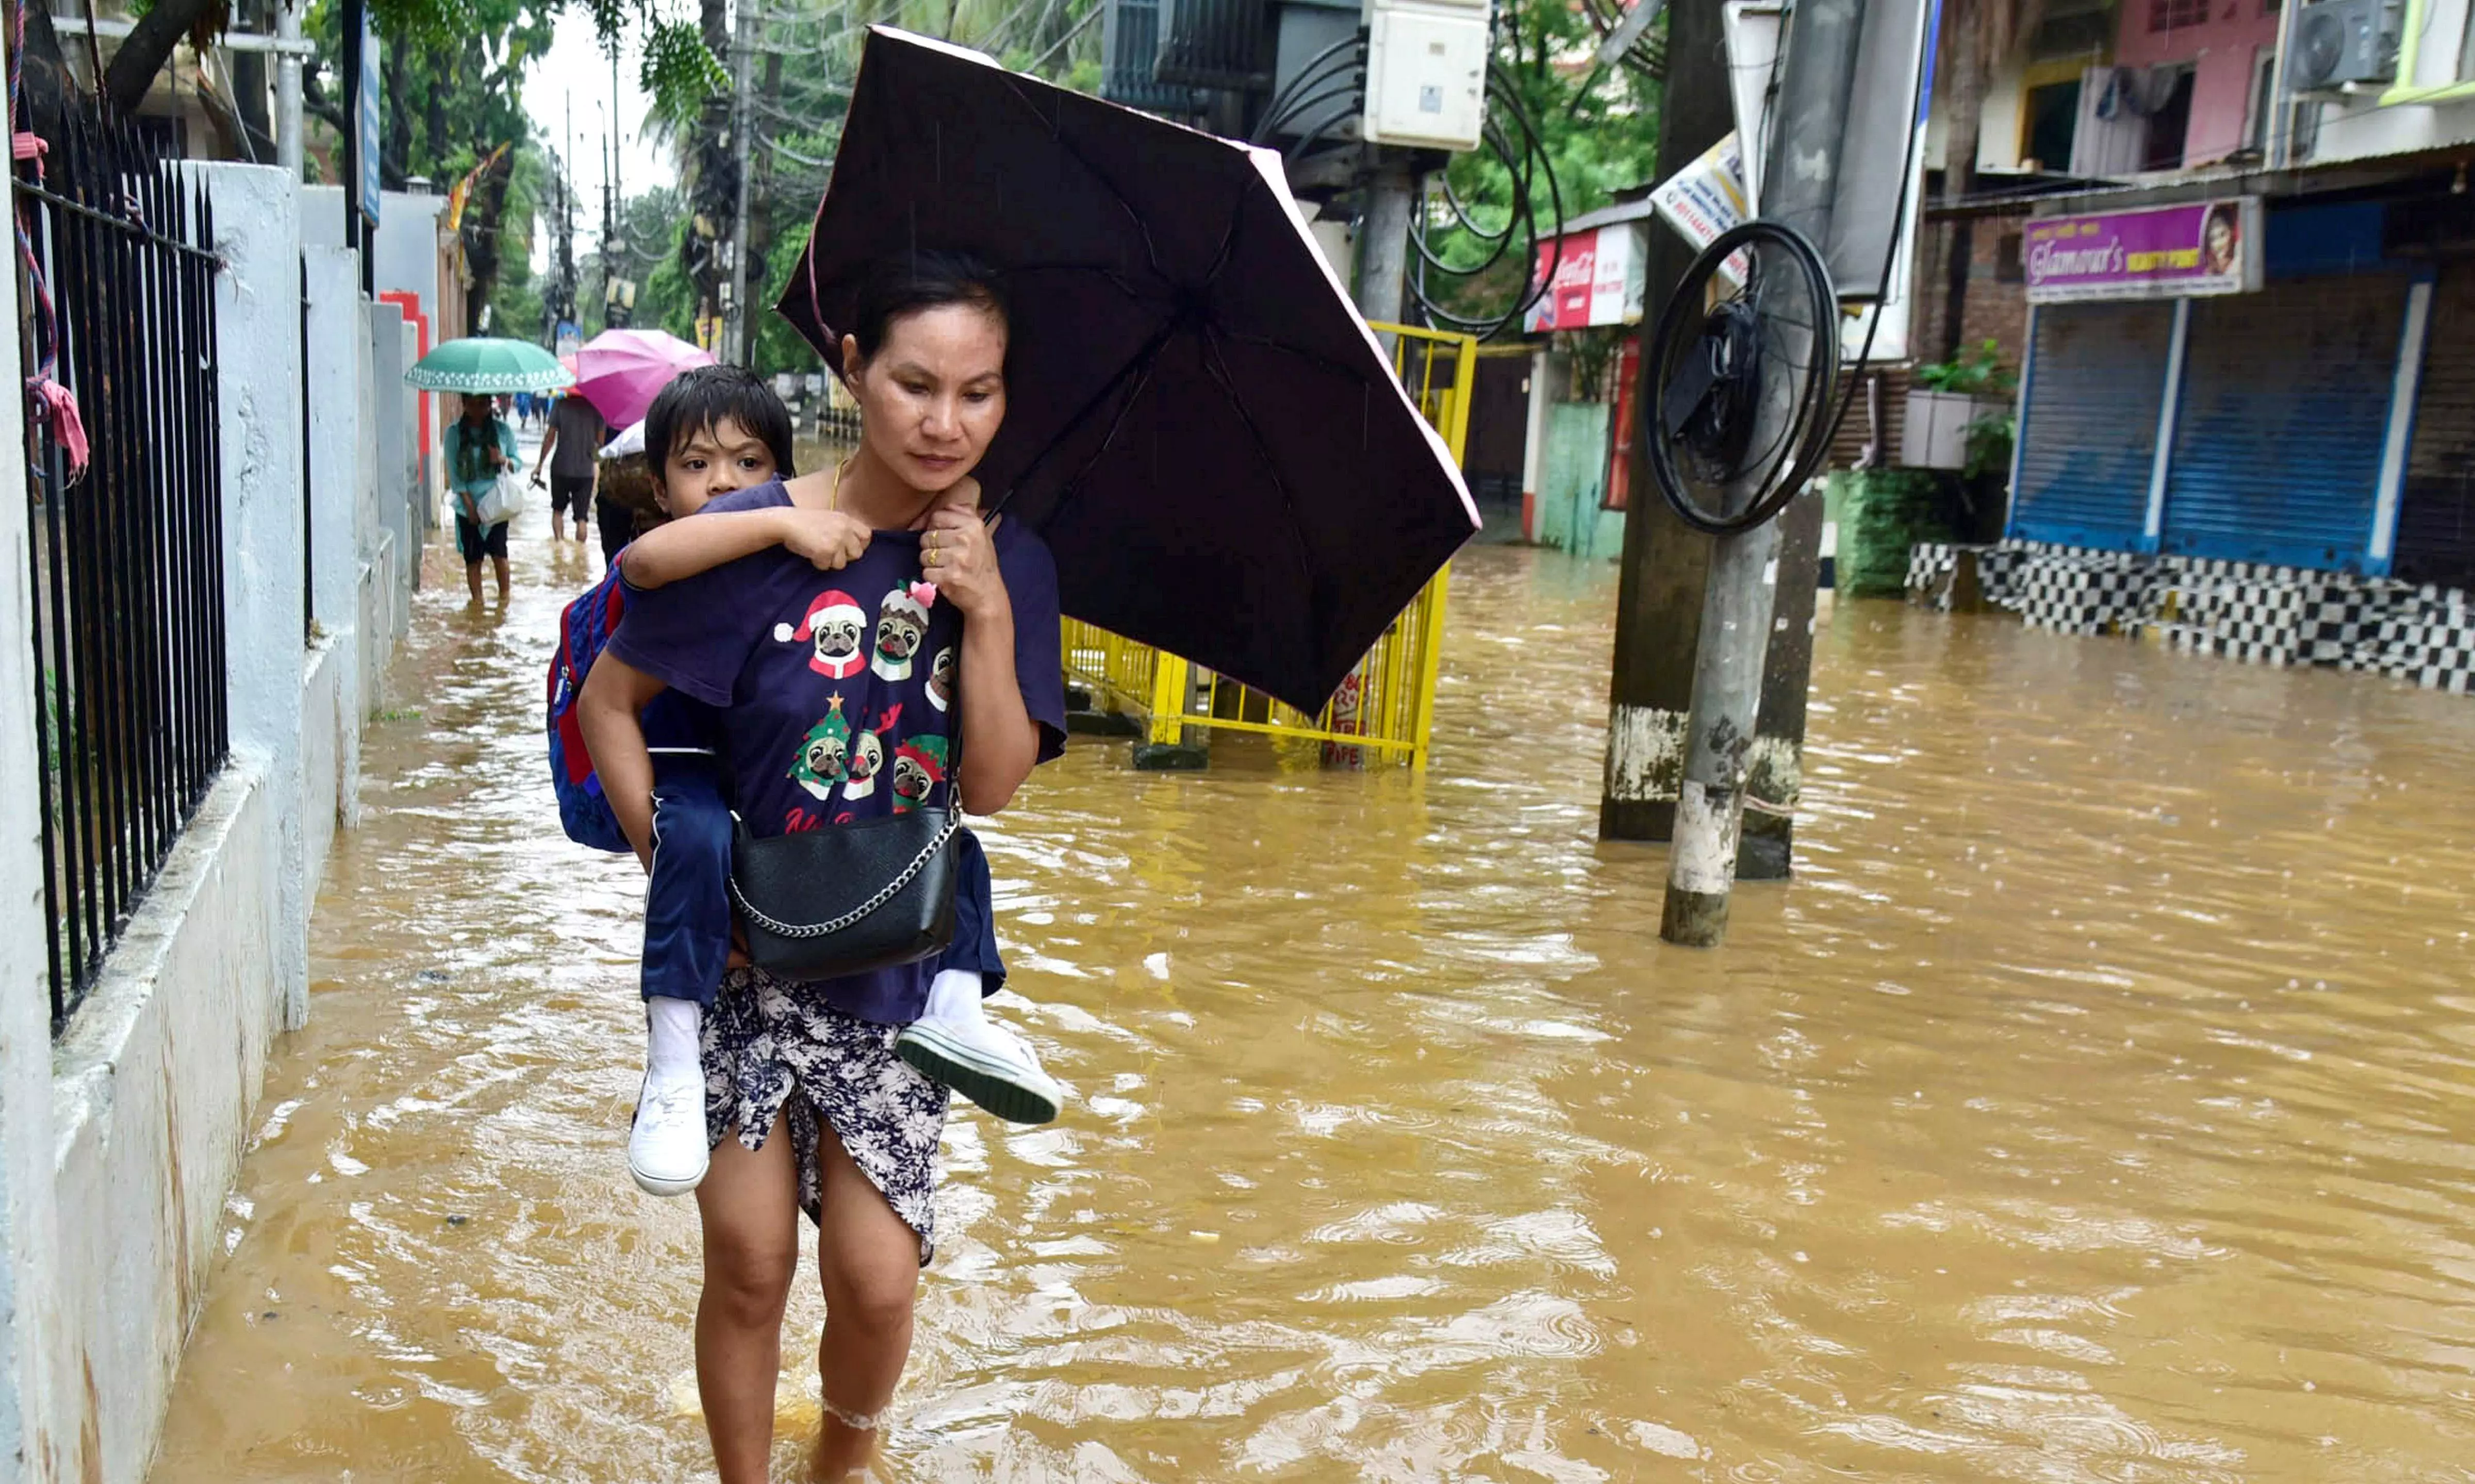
{"x": 808, "y": 1104}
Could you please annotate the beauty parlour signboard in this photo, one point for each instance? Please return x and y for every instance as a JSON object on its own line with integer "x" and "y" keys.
{"x": 2178, "y": 251}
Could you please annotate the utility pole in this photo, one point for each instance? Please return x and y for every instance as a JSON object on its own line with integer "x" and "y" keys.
{"x": 287, "y": 87}
{"x": 1383, "y": 241}
{"x": 1665, "y": 562}
{"x": 618, "y": 185}
{"x": 1810, "y": 123}
{"x": 566, "y": 218}
{"x": 743, "y": 129}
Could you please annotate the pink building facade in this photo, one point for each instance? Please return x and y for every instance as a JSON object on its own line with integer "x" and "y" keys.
{"x": 2227, "y": 46}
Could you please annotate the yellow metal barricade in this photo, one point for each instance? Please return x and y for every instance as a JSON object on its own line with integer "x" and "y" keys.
{"x": 1385, "y": 710}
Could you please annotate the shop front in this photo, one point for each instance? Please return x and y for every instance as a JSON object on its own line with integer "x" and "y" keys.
{"x": 2216, "y": 380}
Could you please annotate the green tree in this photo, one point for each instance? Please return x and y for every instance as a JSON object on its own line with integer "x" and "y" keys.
{"x": 453, "y": 100}
{"x": 649, "y": 227}
{"x": 679, "y": 70}
{"x": 806, "y": 56}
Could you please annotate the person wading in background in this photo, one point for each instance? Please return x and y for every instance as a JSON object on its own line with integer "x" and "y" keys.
{"x": 572, "y": 436}
{"x": 479, "y": 446}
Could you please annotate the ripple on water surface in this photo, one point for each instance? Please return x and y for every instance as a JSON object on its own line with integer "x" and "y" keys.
{"x": 2093, "y": 1106}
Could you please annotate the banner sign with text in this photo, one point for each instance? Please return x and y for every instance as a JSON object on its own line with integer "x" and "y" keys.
{"x": 1598, "y": 279}
{"x": 372, "y": 99}
{"x": 2180, "y": 251}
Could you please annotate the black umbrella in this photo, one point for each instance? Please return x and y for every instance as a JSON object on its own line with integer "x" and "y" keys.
{"x": 1198, "y": 422}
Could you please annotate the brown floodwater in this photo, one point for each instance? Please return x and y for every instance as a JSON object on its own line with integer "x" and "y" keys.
{"x": 2095, "y": 1104}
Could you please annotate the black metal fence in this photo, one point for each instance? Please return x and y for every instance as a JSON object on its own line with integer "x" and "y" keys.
{"x": 117, "y": 276}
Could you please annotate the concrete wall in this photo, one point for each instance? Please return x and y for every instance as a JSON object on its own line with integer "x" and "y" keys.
{"x": 409, "y": 261}
{"x": 342, "y": 466}
{"x": 402, "y": 502}
{"x": 257, "y": 335}
{"x": 390, "y": 552}
{"x": 154, "y": 1080}
{"x": 156, "y": 1075}
{"x": 1997, "y": 308}
{"x": 2358, "y": 127}
{"x": 408, "y": 258}
{"x": 28, "y": 1232}
{"x": 2224, "y": 52}
{"x": 119, "y": 1139}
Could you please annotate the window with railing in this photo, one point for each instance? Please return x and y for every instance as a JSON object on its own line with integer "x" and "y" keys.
{"x": 125, "y": 517}
{"x": 2177, "y": 15}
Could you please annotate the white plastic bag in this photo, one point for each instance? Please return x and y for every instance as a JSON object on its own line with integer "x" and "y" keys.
{"x": 505, "y": 500}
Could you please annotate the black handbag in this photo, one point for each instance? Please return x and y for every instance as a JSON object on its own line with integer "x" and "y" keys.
{"x": 848, "y": 898}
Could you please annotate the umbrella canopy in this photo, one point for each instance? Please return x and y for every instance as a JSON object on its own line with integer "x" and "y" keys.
{"x": 483, "y": 363}
{"x": 621, "y": 371}
{"x": 1197, "y": 419}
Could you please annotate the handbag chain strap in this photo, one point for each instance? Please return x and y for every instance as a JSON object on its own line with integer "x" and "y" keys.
{"x": 886, "y": 893}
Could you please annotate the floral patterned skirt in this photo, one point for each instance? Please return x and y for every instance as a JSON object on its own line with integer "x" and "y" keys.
{"x": 773, "y": 1046}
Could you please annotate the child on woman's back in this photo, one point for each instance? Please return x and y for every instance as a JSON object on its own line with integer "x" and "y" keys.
{"x": 714, "y": 430}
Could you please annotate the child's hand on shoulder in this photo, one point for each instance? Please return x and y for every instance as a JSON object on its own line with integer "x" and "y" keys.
{"x": 829, "y": 539}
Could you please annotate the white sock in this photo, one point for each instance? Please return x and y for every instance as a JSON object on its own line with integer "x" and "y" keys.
{"x": 674, "y": 1029}
{"x": 954, "y": 994}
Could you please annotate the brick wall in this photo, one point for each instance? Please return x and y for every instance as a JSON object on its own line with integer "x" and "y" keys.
{"x": 1996, "y": 310}
{"x": 1997, "y": 295}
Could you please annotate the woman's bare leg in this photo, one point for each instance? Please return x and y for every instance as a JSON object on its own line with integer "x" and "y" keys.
{"x": 751, "y": 1206}
{"x": 869, "y": 1262}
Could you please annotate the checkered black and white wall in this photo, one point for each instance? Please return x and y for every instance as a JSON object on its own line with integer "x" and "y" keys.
{"x": 2242, "y": 610}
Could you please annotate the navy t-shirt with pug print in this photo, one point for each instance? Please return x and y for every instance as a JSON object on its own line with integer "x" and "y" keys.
{"x": 836, "y": 690}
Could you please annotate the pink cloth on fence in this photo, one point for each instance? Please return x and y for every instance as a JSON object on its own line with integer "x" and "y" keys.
{"x": 57, "y": 406}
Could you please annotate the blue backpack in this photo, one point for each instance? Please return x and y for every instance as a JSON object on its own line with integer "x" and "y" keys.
{"x": 584, "y": 628}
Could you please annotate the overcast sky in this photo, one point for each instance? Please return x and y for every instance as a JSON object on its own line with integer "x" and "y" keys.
{"x": 576, "y": 70}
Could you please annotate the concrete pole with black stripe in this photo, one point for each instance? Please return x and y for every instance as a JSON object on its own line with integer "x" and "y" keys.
{"x": 1800, "y": 189}
{"x": 1665, "y": 562}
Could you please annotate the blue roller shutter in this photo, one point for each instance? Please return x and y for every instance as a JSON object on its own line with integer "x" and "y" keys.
{"x": 2284, "y": 411}
{"x": 2088, "y": 434}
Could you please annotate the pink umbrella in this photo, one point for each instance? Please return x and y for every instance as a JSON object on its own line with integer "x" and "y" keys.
{"x": 620, "y": 371}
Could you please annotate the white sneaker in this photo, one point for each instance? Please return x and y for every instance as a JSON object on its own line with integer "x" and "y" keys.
{"x": 992, "y": 1066}
{"x": 667, "y": 1152}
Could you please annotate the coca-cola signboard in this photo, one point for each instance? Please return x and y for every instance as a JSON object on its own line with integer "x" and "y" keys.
{"x": 2178, "y": 251}
{"x": 1596, "y": 279}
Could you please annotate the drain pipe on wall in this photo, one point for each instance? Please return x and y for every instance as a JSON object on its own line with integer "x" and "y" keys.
{"x": 2281, "y": 123}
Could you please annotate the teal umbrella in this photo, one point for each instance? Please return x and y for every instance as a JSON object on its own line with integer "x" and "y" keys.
{"x": 482, "y": 363}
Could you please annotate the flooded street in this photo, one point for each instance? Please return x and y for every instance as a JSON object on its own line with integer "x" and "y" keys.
{"x": 2093, "y": 1107}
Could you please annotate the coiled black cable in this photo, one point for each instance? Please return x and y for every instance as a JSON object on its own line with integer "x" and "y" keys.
{"x": 1526, "y": 163}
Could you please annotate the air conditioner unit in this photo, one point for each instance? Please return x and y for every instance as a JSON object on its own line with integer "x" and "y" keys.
{"x": 2341, "y": 41}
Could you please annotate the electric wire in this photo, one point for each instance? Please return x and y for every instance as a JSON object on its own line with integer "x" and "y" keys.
{"x": 1318, "y": 69}
{"x": 1526, "y": 164}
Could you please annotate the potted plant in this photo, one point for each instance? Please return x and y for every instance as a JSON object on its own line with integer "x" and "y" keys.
{"x": 1945, "y": 398}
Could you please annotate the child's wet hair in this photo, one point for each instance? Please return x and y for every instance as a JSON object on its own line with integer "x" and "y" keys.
{"x": 702, "y": 400}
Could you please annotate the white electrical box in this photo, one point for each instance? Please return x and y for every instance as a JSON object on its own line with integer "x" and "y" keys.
{"x": 1426, "y": 73}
